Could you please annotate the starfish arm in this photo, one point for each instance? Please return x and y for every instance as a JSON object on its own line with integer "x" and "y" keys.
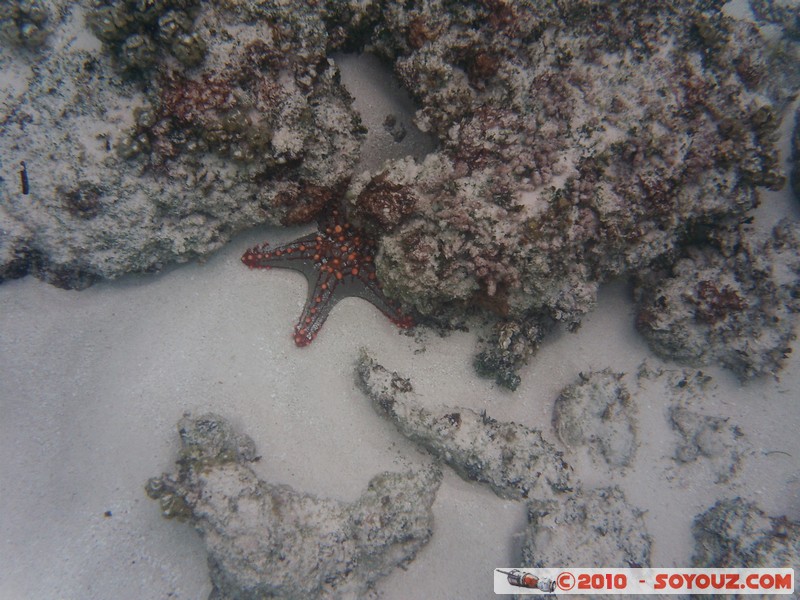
{"x": 297, "y": 255}
{"x": 322, "y": 298}
{"x": 367, "y": 287}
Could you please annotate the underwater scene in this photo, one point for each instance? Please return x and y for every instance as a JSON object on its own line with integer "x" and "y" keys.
{"x": 398, "y": 299}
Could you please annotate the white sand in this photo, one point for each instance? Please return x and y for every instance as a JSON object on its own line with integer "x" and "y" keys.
{"x": 93, "y": 382}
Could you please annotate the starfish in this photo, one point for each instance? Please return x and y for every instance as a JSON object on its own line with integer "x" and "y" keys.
{"x": 339, "y": 261}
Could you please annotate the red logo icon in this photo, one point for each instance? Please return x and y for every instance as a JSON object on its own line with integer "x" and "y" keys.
{"x": 565, "y": 581}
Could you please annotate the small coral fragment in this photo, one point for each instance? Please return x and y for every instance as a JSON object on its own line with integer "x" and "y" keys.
{"x": 714, "y": 445}
{"x": 511, "y": 459}
{"x": 269, "y": 541}
{"x": 708, "y": 438}
{"x": 510, "y": 345}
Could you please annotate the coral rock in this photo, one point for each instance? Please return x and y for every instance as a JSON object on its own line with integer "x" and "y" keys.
{"x": 578, "y": 141}
{"x": 270, "y": 541}
{"x": 591, "y": 528}
{"x": 733, "y": 300}
{"x": 511, "y": 459}
{"x": 24, "y": 23}
{"x": 737, "y": 533}
{"x": 128, "y": 174}
{"x": 508, "y": 348}
{"x": 707, "y": 437}
{"x": 384, "y": 204}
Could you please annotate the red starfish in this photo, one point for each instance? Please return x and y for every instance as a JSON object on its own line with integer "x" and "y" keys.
{"x": 340, "y": 261}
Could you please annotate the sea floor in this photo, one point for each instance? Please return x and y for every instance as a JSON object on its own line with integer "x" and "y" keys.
{"x": 92, "y": 384}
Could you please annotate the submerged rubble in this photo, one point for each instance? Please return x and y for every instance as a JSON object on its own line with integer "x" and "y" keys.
{"x": 511, "y": 459}
{"x": 592, "y": 528}
{"x": 715, "y": 446}
{"x": 567, "y": 523}
{"x": 597, "y": 412}
{"x": 737, "y": 533}
{"x": 270, "y": 541}
{"x": 509, "y": 346}
{"x": 732, "y": 301}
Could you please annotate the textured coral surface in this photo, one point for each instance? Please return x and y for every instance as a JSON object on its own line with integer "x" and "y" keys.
{"x": 269, "y": 541}
{"x": 577, "y": 141}
{"x": 737, "y": 533}
{"x": 133, "y": 165}
{"x": 732, "y": 301}
{"x": 587, "y": 143}
{"x": 599, "y": 526}
{"x": 514, "y": 461}
{"x": 597, "y": 411}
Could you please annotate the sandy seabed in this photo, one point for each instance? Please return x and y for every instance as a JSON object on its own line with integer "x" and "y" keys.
{"x": 93, "y": 382}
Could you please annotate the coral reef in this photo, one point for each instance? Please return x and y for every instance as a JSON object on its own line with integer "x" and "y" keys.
{"x": 597, "y": 412}
{"x": 24, "y": 23}
{"x": 574, "y": 152}
{"x": 594, "y": 528}
{"x": 578, "y": 142}
{"x": 269, "y": 541}
{"x": 737, "y": 533}
{"x": 511, "y": 459}
{"x": 138, "y": 33}
{"x": 732, "y": 300}
{"x": 129, "y": 174}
